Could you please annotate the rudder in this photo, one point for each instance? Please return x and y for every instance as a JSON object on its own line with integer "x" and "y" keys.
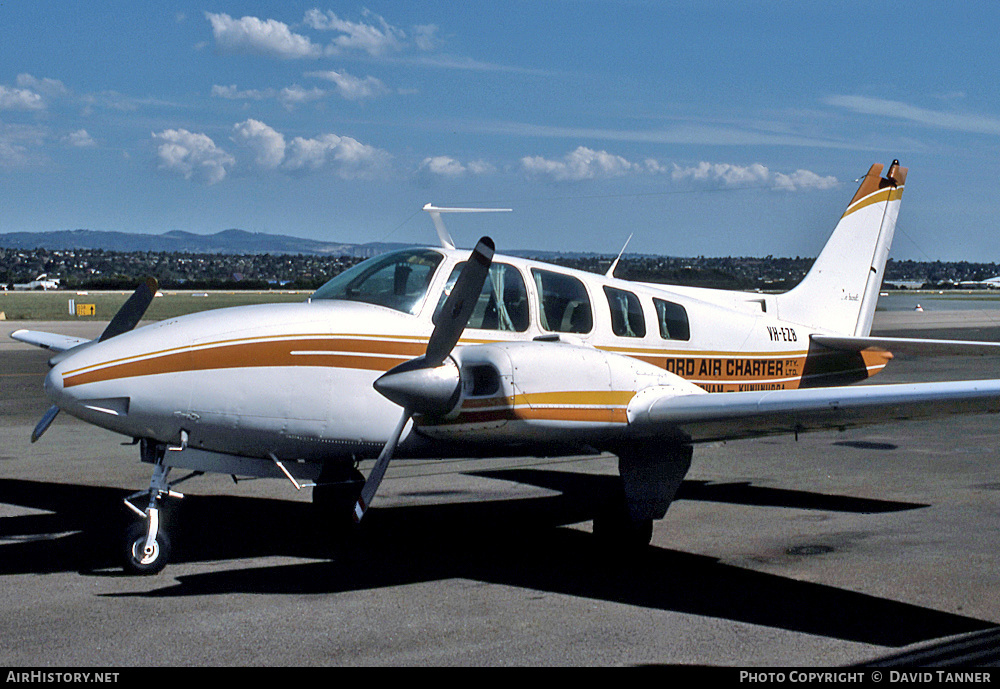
{"x": 840, "y": 291}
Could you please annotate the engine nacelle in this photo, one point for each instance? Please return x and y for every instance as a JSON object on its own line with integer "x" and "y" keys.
{"x": 546, "y": 391}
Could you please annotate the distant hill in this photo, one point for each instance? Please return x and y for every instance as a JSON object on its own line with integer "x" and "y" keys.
{"x": 225, "y": 242}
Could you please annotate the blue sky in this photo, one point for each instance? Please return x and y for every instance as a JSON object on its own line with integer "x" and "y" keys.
{"x": 701, "y": 128}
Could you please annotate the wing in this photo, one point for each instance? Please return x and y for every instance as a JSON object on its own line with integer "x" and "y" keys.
{"x": 905, "y": 345}
{"x": 733, "y": 415}
{"x": 57, "y": 343}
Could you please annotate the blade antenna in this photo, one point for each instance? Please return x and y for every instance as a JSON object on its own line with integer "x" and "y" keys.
{"x": 614, "y": 264}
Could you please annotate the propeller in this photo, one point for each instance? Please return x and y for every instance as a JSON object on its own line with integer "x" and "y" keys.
{"x": 429, "y": 384}
{"x": 126, "y": 319}
{"x": 132, "y": 311}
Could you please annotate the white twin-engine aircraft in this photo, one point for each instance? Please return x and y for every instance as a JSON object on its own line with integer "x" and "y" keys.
{"x": 435, "y": 352}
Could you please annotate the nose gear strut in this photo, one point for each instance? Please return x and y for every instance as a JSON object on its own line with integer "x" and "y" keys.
{"x": 147, "y": 546}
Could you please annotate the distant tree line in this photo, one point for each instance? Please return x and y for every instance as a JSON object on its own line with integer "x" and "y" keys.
{"x": 115, "y": 270}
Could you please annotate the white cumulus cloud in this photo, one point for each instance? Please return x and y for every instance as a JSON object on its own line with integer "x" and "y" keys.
{"x": 295, "y": 95}
{"x": 20, "y": 99}
{"x": 80, "y": 139}
{"x": 448, "y": 167}
{"x": 803, "y": 179}
{"x": 260, "y": 37}
{"x": 232, "y": 93}
{"x": 375, "y": 38}
{"x": 51, "y": 88}
{"x": 351, "y": 87}
{"x": 20, "y": 146}
{"x": 346, "y": 157}
{"x": 425, "y": 36}
{"x": 723, "y": 173}
{"x": 267, "y": 145}
{"x": 753, "y": 175}
{"x": 581, "y": 163}
{"x": 193, "y": 156}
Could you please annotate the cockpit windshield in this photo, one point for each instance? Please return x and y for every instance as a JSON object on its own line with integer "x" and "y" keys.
{"x": 398, "y": 280}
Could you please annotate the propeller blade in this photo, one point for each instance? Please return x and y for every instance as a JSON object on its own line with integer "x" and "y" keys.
{"x": 422, "y": 384}
{"x": 44, "y": 424}
{"x": 458, "y": 306}
{"x": 378, "y": 471}
{"x": 132, "y": 311}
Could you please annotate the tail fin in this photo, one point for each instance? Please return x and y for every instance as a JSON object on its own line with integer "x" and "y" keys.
{"x": 840, "y": 291}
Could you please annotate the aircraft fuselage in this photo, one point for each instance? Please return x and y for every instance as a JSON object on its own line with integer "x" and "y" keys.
{"x": 295, "y": 380}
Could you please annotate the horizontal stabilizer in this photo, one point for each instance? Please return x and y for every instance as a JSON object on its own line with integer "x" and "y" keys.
{"x": 905, "y": 345}
{"x": 57, "y": 343}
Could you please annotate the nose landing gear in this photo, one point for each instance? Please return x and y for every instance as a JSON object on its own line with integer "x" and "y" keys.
{"x": 147, "y": 544}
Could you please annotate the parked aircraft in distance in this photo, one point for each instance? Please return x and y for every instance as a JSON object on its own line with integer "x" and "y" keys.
{"x": 441, "y": 352}
{"x": 42, "y": 282}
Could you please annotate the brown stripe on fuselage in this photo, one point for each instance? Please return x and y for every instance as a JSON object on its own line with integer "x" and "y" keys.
{"x": 583, "y": 414}
{"x": 345, "y": 353}
{"x": 714, "y": 372}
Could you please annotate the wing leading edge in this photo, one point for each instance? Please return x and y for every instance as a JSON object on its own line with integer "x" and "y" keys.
{"x": 734, "y": 415}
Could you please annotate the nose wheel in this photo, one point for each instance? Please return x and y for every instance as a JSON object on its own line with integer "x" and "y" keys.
{"x": 141, "y": 558}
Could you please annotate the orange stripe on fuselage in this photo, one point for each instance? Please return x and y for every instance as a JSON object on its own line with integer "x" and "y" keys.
{"x": 373, "y": 355}
{"x": 713, "y": 371}
{"x": 592, "y": 406}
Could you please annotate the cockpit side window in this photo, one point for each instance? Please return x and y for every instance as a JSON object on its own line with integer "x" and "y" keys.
{"x": 626, "y": 313}
{"x": 673, "y": 320}
{"x": 564, "y": 305}
{"x": 398, "y": 280}
{"x": 503, "y": 303}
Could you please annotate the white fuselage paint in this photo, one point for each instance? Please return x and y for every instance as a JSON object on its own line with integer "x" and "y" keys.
{"x": 296, "y": 380}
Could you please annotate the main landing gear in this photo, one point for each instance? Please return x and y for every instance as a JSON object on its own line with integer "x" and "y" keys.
{"x": 334, "y": 496}
{"x": 651, "y": 474}
{"x": 617, "y": 531}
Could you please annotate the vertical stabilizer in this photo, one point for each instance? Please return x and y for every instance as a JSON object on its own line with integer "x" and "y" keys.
{"x": 840, "y": 291}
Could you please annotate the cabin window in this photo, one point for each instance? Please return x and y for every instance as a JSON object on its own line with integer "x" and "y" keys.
{"x": 673, "y": 320}
{"x": 626, "y": 313}
{"x": 398, "y": 280}
{"x": 503, "y": 303}
{"x": 564, "y": 304}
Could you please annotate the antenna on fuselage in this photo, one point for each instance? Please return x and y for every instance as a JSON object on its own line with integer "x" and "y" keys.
{"x": 614, "y": 264}
{"x": 443, "y": 236}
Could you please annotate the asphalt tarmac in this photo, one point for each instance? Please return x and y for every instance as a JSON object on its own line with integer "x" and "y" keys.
{"x": 836, "y": 549}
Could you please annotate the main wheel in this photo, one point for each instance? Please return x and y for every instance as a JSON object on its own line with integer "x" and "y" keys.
{"x": 336, "y": 493}
{"x": 334, "y": 498}
{"x": 137, "y": 561}
{"x": 617, "y": 531}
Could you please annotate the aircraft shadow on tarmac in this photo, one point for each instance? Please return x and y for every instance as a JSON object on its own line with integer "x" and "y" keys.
{"x": 511, "y": 542}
